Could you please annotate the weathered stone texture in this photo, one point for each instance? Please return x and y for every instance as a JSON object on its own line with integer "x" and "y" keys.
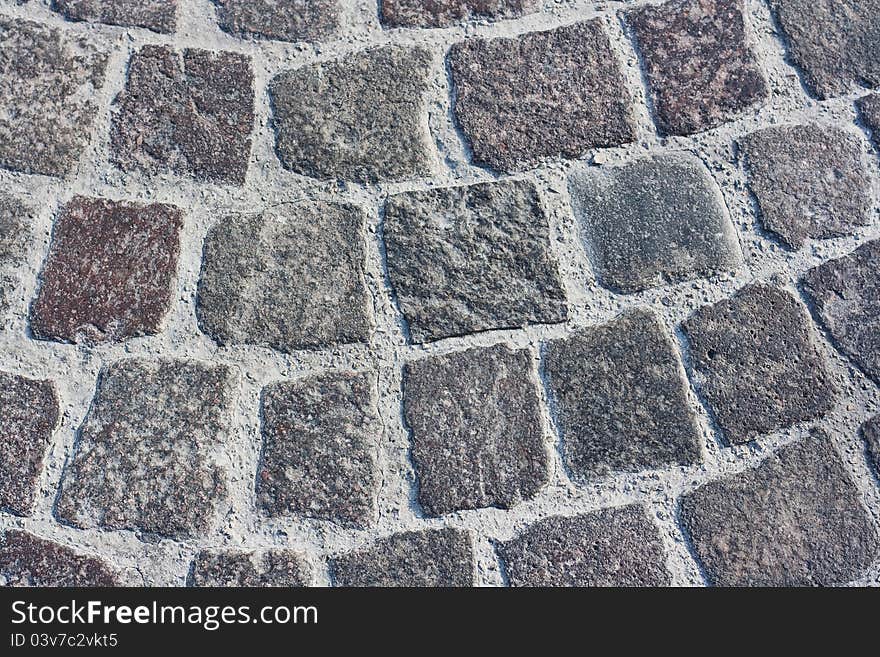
{"x": 871, "y": 433}
{"x": 619, "y": 396}
{"x": 27, "y": 560}
{"x": 834, "y": 43}
{"x": 156, "y": 15}
{"x": 756, "y": 363}
{"x": 443, "y": 13}
{"x": 476, "y": 430}
{"x": 289, "y": 278}
{"x": 869, "y": 113}
{"x": 654, "y": 221}
{"x": 470, "y": 259}
{"x": 14, "y": 236}
{"x": 249, "y": 569}
{"x": 611, "y": 547}
{"x": 544, "y": 94}
{"x": 48, "y": 80}
{"x": 809, "y": 181}
{"x": 187, "y": 113}
{"x": 28, "y": 416}
{"x": 795, "y": 520}
{"x": 320, "y": 443}
{"x": 700, "y": 68}
{"x": 147, "y": 457}
{"x": 110, "y": 271}
{"x": 361, "y": 118}
{"x": 285, "y": 20}
{"x": 846, "y": 296}
{"x": 442, "y": 557}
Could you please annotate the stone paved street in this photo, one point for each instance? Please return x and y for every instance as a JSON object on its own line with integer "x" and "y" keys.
{"x": 374, "y": 293}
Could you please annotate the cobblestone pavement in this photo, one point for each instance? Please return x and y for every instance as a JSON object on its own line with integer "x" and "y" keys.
{"x": 448, "y": 292}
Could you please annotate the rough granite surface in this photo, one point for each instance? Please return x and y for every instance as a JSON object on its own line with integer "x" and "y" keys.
{"x": 653, "y": 221}
{"x": 439, "y": 557}
{"x": 871, "y": 433}
{"x": 611, "y": 547}
{"x": 795, "y": 520}
{"x": 443, "y": 13}
{"x": 248, "y": 569}
{"x": 14, "y": 237}
{"x": 157, "y": 15}
{"x": 869, "y": 113}
{"x": 544, "y": 94}
{"x": 27, "y": 560}
{"x": 470, "y": 259}
{"x": 285, "y": 20}
{"x": 810, "y": 182}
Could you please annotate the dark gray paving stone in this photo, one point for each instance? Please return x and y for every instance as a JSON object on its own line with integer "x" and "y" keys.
{"x": 320, "y": 444}
{"x": 795, "y": 520}
{"x": 871, "y": 433}
{"x": 620, "y": 398}
{"x": 611, "y": 547}
{"x": 869, "y": 113}
{"x": 361, "y": 118}
{"x": 109, "y": 273}
{"x": 470, "y": 259}
{"x": 28, "y": 416}
{"x": 148, "y": 456}
{"x": 245, "y": 294}
{"x": 15, "y": 218}
{"x": 48, "y": 80}
{"x": 476, "y": 430}
{"x": 655, "y": 221}
{"x": 284, "y": 20}
{"x": 156, "y": 15}
{"x": 443, "y": 13}
{"x": 699, "y": 65}
{"x": 755, "y": 361}
{"x": 442, "y": 557}
{"x": 540, "y": 95}
{"x": 27, "y": 560}
{"x": 810, "y": 181}
{"x": 249, "y": 569}
{"x": 188, "y": 113}
{"x": 846, "y": 296}
{"x": 834, "y": 44}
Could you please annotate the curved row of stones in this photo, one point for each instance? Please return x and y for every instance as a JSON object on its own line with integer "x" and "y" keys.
{"x": 459, "y": 260}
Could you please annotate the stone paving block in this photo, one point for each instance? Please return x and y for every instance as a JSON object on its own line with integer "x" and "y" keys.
{"x": 755, "y": 361}
{"x": 810, "y": 181}
{"x": 610, "y": 547}
{"x": 655, "y": 221}
{"x": 476, "y": 430}
{"x": 443, "y": 13}
{"x": 156, "y": 15}
{"x": 469, "y": 259}
{"x": 188, "y": 113}
{"x": 835, "y": 44}
{"x": 361, "y": 118}
{"x": 320, "y": 444}
{"x": 110, "y": 272}
{"x": 869, "y": 113}
{"x": 245, "y": 294}
{"x": 795, "y": 520}
{"x": 148, "y": 454}
{"x": 48, "y": 81}
{"x": 700, "y": 68}
{"x": 27, "y": 560}
{"x": 871, "y": 433}
{"x": 28, "y": 416}
{"x": 284, "y": 20}
{"x": 619, "y": 397}
{"x": 436, "y": 557}
{"x": 845, "y": 294}
{"x": 14, "y": 237}
{"x": 540, "y": 95}
{"x": 250, "y": 569}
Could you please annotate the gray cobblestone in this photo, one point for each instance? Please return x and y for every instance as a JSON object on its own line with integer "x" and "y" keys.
{"x": 157, "y": 15}
{"x": 871, "y": 433}
{"x": 442, "y": 13}
{"x": 27, "y": 560}
{"x": 14, "y": 237}
{"x": 869, "y": 113}
{"x": 250, "y": 569}
{"x": 286, "y": 20}
{"x": 795, "y": 520}
{"x": 611, "y": 547}
{"x": 470, "y": 259}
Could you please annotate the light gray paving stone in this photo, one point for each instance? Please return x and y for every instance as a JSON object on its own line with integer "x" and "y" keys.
{"x": 443, "y": 13}
{"x": 15, "y": 235}
{"x": 242, "y": 568}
